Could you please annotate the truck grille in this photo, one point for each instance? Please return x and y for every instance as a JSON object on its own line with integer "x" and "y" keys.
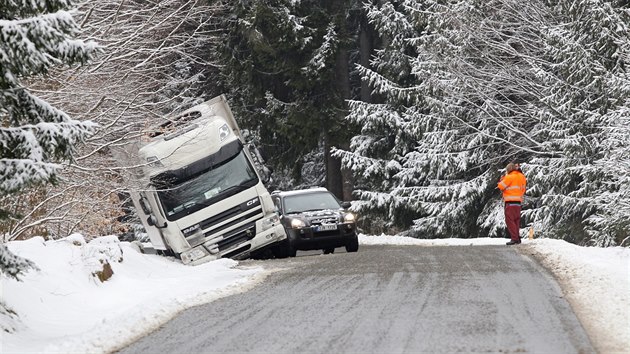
{"x": 242, "y": 234}
{"x": 232, "y": 226}
{"x": 232, "y": 223}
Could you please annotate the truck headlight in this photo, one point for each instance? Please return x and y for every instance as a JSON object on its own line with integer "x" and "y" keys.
{"x": 193, "y": 254}
{"x": 270, "y": 222}
{"x": 297, "y": 223}
{"x": 349, "y": 217}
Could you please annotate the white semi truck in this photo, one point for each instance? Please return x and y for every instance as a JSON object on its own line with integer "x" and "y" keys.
{"x": 200, "y": 196}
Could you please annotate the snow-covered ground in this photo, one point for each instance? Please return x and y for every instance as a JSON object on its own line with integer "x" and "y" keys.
{"x": 64, "y": 308}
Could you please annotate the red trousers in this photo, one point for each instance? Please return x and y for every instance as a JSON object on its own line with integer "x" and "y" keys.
{"x": 513, "y": 220}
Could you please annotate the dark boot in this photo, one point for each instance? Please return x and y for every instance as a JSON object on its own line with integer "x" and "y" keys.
{"x": 513, "y": 242}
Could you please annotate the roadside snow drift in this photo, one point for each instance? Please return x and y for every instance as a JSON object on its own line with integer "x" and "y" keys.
{"x": 65, "y": 308}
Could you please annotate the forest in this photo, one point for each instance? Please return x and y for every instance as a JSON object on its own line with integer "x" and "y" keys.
{"x": 410, "y": 109}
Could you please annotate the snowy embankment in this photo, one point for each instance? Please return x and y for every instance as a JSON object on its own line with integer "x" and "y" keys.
{"x": 596, "y": 282}
{"x": 64, "y": 308}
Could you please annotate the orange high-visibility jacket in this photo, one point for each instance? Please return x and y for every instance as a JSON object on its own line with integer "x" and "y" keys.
{"x": 513, "y": 186}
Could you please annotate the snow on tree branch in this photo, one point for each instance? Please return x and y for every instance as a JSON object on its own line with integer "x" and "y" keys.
{"x": 469, "y": 86}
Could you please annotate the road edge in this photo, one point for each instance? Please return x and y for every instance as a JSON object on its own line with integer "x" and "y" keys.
{"x": 601, "y": 338}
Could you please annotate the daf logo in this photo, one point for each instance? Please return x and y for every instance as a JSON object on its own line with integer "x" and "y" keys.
{"x": 252, "y": 202}
{"x": 190, "y": 229}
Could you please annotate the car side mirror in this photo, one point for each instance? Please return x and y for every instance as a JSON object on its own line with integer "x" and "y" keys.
{"x": 346, "y": 205}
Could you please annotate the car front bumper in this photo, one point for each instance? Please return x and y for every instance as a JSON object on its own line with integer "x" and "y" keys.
{"x": 308, "y": 238}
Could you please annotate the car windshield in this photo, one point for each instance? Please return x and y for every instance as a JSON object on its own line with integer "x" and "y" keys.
{"x": 310, "y": 202}
{"x": 183, "y": 197}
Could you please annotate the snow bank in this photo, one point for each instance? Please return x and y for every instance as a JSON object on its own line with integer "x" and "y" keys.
{"x": 65, "y": 308}
{"x": 596, "y": 281}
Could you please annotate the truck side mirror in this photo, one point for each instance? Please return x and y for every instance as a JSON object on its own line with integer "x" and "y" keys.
{"x": 346, "y": 205}
{"x": 151, "y": 221}
{"x": 259, "y": 162}
{"x": 265, "y": 174}
{"x": 144, "y": 203}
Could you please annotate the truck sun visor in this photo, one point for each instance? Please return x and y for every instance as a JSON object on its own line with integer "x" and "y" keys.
{"x": 225, "y": 153}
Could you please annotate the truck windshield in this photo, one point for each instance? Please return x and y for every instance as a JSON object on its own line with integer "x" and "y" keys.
{"x": 183, "y": 197}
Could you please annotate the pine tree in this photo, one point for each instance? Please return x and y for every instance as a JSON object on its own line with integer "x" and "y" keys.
{"x": 469, "y": 86}
{"x": 585, "y": 89}
{"x": 34, "y": 136}
{"x": 157, "y": 58}
{"x": 285, "y": 75}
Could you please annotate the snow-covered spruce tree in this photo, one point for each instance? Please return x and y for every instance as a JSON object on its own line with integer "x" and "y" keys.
{"x": 158, "y": 58}
{"x": 287, "y": 75}
{"x": 585, "y": 90}
{"x": 262, "y": 55}
{"x": 468, "y": 86}
{"x": 418, "y": 164}
{"x": 34, "y": 136}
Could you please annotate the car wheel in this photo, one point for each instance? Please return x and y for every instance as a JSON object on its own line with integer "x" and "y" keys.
{"x": 329, "y": 250}
{"x": 284, "y": 250}
{"x": 352, "y": 245}
{"x": 290, "y": 248}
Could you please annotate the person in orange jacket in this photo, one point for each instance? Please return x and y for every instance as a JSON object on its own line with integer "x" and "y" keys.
{"x": 513, "y": 185}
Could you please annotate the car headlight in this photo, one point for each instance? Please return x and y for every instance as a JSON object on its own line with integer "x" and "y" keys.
{"x": 297, "y": 223}
{"x": 349, "y": 217}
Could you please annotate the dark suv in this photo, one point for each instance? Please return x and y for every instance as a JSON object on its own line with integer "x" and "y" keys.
{"x": 315, "y": 219}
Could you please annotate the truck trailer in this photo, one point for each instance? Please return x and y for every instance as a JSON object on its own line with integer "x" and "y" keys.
{"x": 199, "y": 195}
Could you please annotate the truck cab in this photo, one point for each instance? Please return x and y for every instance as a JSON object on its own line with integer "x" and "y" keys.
{"x": 201, "y": 198}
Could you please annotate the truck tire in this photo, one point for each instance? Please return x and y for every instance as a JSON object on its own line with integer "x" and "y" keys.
{"x": 352, "y": 245}
{"x": 171, "y": 253}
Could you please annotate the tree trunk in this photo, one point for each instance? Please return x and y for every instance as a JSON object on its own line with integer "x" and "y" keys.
{"x": 338, "y": 180}
{"x": 366, "y": 46}
{"x": 333, "y": 172}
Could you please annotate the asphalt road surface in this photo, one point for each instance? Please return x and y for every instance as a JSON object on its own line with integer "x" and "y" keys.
{"x": 384, "y": 299}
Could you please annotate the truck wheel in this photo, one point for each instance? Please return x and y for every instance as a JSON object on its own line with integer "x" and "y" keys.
{"x": 329, "y": 250}
{"x": 169, "y": 253}
{"x": 352, "y": 245}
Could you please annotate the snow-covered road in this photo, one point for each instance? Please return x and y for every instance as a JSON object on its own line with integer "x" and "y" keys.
{"x": 392, "y": 299}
